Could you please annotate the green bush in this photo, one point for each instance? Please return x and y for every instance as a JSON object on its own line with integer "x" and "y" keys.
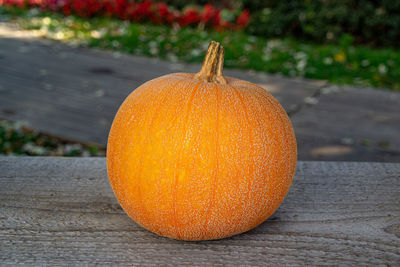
{"x": 325, "y": 21}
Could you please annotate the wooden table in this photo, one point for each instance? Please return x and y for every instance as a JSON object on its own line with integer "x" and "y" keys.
{"x": 62, "y": 211}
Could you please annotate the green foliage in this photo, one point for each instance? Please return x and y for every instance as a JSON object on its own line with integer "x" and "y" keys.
{"x": 325, "y": 21}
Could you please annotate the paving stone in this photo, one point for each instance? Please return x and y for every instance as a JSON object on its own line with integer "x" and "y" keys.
{"x": 347, "y": 123}
{"x": 74, "y": 93}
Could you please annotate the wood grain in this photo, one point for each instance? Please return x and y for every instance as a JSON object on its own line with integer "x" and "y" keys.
{"x": 62, "y": 211}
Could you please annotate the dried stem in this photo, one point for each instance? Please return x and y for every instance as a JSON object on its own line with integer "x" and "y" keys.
{"x": 211, "y": 70}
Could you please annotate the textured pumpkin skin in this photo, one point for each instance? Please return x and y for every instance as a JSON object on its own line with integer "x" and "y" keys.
{"x": 197, "y": 160}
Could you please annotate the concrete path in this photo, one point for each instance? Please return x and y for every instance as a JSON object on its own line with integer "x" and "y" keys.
{"x": 75, "y": 92}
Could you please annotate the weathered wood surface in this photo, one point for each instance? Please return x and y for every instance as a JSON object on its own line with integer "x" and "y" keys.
{"x": 62, "y": 211}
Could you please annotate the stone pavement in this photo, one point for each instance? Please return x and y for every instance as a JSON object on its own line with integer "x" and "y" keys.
{"x": 74, "y": 93}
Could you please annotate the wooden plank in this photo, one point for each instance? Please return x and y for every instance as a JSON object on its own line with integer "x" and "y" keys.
{"x": 62, "y": 211}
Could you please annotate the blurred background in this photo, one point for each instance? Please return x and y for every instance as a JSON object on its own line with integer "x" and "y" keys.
{"x": 67, "y": 65}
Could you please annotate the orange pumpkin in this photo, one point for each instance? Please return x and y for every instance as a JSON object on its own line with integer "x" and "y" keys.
{"x": 199, "y": 157}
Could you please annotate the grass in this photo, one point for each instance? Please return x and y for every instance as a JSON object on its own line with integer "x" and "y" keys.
{"x": 16, "y": 139}
{"x": 340, "y": 64}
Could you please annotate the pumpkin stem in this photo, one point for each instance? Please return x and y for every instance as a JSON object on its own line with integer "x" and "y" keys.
{"x": 211, "y": 71}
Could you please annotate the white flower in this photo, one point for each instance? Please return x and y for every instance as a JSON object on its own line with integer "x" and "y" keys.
{"x": 95, "y": 34}
{"x": 328, "y": 61}
{"x": 300, "y": 55}
{"x": 195, "y": 52}
{"x": 382, "y": 69}
{"x": 46, "y": 21}
{"x": 115, "y": 43}
{"x": 20, "y": 124}
{"x": 72, "y": 147}
{"x": 122, "y": 30}
{"x": 365, "y": 62}
{"x": 34, "y": 149}
{"x": 272, "y": 44}
{"x": 301, "y": 65}
{"x": 153, "y": 51}
{"x": 59, "y": 35}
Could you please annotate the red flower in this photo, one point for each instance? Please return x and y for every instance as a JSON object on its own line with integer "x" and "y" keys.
{"x": 160, "y": 12}
{"x": 34, "y": 2}
{"x": 217, "y": 17}
{"x": 143, "y": 10}
{"x": 127, "y": 11}
{"x": 78, "y": 7}
{"x": 18, "y": 3}
{"x": 189, "y": 16}
{"x": 243, "y": 19}
{"x": 208, "y": 13}
{"x": 162, "y": 9}
{"x": 172, "y": 16}
{"x": 66, "y": 10}
{"x": 147, "y": 10}
{"x": 53, "y": 5}
{"x": 108, "y": 8}
{"x": 121, "y": 8}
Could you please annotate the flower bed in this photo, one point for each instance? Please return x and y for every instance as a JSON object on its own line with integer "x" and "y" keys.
{"x": 344, "y": 63}
{"x": 146, "y": 11}
{"x": 17, "y": 138}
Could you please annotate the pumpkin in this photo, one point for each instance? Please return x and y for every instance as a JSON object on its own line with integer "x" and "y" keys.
{"x": 201, "y": 156}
